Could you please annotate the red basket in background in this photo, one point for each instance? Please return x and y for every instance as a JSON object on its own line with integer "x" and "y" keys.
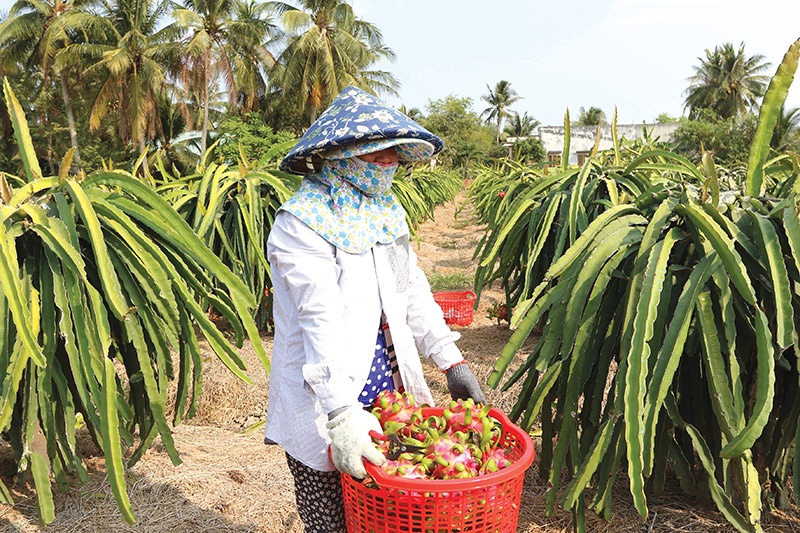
{"x": 457, "y": 306}
{"x": 482, "y": 504}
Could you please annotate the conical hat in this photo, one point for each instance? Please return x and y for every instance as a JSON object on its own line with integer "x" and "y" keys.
{"x": 356, "y": 123}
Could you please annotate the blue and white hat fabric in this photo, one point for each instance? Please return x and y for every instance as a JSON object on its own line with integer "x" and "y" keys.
{"x": 357, "y": 123}
{"x": 407, "y": 149}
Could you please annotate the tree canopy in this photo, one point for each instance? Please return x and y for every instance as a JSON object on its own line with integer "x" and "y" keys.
{"x": 727, "y": 81}
{"x": 500, "y": 99}
{"x": 158, "y": 76}
{"x": 594, "y": 116}
{"x": 465, "y": 138}
{"x": 521, "y": 125}
{"x": 329, "y": 49}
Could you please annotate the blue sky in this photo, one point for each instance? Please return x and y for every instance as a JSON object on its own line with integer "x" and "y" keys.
{"x": 634, "y": 55}
{"x": 559, "y": 55}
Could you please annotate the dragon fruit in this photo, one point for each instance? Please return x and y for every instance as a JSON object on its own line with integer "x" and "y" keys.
{"x": 451, "y": 458}
{"x": 392, "y": 406}
{"x": 405, "y": 466}
{"x": 444, "y": 445}
{"x": 456, "y": 466}
{"x": 495, "y": 460}
{"x": 467, "y": 417}
{"x": 461, "y": 443}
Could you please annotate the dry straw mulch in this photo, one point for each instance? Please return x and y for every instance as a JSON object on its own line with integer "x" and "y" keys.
{"x": 230, "y": 481}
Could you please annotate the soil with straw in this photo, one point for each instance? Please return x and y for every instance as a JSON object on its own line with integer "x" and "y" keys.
{"x": 230, "y": 481}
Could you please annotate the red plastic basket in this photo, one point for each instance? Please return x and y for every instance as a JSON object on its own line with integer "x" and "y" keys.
{"x": 488, "y": 503}
{"x": 457, "y": 306}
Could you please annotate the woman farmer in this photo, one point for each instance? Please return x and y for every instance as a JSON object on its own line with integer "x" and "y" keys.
{"x": 352, "y": 309}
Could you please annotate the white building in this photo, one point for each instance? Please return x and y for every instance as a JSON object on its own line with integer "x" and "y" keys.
{"x": 582, "y": 138}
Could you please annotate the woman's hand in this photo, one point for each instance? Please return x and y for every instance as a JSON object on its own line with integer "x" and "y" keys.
{"x": 462, "y": 384}
{"x": 351, "y": 443}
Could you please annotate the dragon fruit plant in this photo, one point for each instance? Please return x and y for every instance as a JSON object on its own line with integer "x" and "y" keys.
{"x": 498, "y": 311}
{"x": 462, "y": 442}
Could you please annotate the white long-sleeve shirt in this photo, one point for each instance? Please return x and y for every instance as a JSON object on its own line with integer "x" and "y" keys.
{"x": 327, "y": 308}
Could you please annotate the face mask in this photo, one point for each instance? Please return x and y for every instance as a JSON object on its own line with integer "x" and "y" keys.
{"x": 349, "y": 204}
{"x": 369, "y": 178}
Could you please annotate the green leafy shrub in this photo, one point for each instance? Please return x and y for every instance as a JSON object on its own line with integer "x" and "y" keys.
{"x": 530, "y": 150}
{"x": 729, "y": 139}
{"x": 454, "y": 281}
{"x": 251, "y": 137}
{"x": 466, "y": 139}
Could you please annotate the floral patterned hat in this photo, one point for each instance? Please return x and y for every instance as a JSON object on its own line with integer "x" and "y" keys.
{"x": 357, "y": 123}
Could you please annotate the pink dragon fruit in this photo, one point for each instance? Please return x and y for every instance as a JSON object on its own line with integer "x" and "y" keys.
{"x": 405, "y": 466}
{"x": 451, "y": 458}
{"x": 461, "y": 443}
{"x": 494, "y": 460}
{"x": 454, "y": 465}
{"x": 465, "y": 415}
{"x": 396, "y": 407}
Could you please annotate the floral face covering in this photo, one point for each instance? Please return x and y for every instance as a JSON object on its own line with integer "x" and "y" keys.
{"x": 349, "y": 204}
{"x": 369, "y": 178}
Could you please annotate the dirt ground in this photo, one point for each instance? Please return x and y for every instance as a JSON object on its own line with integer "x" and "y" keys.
{"x": 230, "y": 481}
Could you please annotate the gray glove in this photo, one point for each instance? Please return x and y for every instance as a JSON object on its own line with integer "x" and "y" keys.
{"x": 351, "y": 443}
{"x": 462, "y": 384}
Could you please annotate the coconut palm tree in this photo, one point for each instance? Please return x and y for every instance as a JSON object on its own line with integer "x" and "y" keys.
{"x": 225, "y": 38}
{"x": 727, "y": 81}
{"x": 499, "y": 100}
{"x": 34, "y": 33}
{"x": 521, "y": 125}
{"x": 594, "y": 116}
{"x": 329, "y": 49}
{"x": 413, "y": 113}
{"x": 132, "y": 61}
{"x": 255, "y": 59}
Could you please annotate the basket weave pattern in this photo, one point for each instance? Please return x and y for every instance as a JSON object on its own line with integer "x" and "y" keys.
{"x": 488, "y": 503}
{"x": 457, "y": 306}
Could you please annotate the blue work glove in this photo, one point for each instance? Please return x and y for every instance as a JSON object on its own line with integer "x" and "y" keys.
{"x": 348, "y": 428}
{"x": 462, "y": 384}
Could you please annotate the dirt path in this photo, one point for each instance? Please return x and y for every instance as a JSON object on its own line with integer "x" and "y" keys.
{"x": 231, "y": 482}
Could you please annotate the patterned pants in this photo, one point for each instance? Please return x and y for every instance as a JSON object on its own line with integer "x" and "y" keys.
{"x": 319, "y": 498}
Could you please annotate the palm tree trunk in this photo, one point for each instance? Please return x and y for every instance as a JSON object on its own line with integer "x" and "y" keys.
{"x": 73, "y": 132}
{"x": 204, "y": 135}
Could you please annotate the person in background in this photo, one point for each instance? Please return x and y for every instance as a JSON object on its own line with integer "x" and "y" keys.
{"x": 352, "y": 309}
